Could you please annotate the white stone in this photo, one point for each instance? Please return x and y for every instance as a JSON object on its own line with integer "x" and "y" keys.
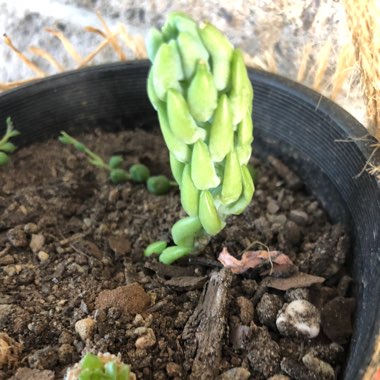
{"x": 299, "y": 318}
{"x": 42, "y": 255}
{"x": 37, "y": 242}
{"x": 85, "y": 328}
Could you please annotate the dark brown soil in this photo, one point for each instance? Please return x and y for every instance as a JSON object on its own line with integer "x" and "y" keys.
{"x": 73, "y": 278}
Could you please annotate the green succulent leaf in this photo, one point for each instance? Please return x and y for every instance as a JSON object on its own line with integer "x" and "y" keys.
{"x": 232, "y": 185}
{"x": 181, "y": 122}
{"x": 185, "y": 230}
{"x": 155, "y": 248}
{"x": 154, "y": 99}
{"x": 123, "y": 372}
{"x": 248, "y": 189}
{"x": 115, "y": 162}
{"x": 110, "y": 370}
{"x": 4, "y": 158}
{"x": 167, "y": 70}
{"x": 153, "y": 42}
{"x": 221, "y": 133}
{"x": 192, "y": 50}
{"x": 208, "y": 214}
{"x": 8, "y": 147}
{"x": 180, "y": 22}
{"x": 178, "y": 148}
{"x": 202, "y": 95}
{"x": 91, "y": 361}
{"x": 171, "y": 254}
{"x": 119, "y": 176}
{"x": 189, "y": 193}
{"x": 139, "y": 173}
{"x": 221, "y": 51}
{"x": 245, "y": 130}
{"x": 244, "y": 153}
{"x": 176, "y": 168}
{"x": 202, "y": 167}
{"x": 241, "y": 89}
{"x": 158, "y": 185}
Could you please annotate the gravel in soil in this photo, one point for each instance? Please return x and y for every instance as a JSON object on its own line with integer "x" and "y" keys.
{"x": 73, "y": 277}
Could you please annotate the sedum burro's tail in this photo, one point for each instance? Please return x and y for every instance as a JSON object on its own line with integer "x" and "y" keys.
{"x": 199, "y": 86}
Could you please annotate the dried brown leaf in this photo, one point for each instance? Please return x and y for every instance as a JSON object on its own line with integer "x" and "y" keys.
{"x": 252, "y": 259}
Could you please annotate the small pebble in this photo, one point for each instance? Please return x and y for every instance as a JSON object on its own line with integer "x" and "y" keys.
{"x": 17, "y": 237}
{"x": 85, "y": 328}
{"x": 264, "y": 355}
{"x": 7, "y": 260}
{"x": 173, "y": 370}
{"x": 297, "y": 371}
{"x": 66, "y": 353}
{"x": 318, "y": 366}
{"x": 337, "y": 319}
{"x": 238, "y": 373}
{"x": 344, "y": 285}
{"x": 268, "y": 308}
{"x": 249, "y": 286}
{"x": 240, "y": 336}
{"x": 299, "y": 318}
{"x": 299, "y": 217}
{"x": 272, "y": 206}
{"x": 37, "y": 242}
{"x": 30, "y": 228}
{"x": 43, "y": 256}
{"x": 293, "y": 233}
{"x": 147, "y": 340}
{"x": 297, "y": 294}
{"x": 11, "y": 270}
{"x": 45, "y": 358}
{"x": 246, "y": 310}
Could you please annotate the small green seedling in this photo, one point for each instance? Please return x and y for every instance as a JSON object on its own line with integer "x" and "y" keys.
{"x": 6, "y": 146}
{"x": 137, "y": 173}
{"x": 199, "y": 86}
{"x": 99, "y": 367}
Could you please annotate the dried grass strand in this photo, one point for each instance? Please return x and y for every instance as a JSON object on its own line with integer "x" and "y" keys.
{"x": 47, "y": 57}
{"x": 39, "y": 72}
{"x": 134, "y": 43}
{"x": 345, "y": 64}
{"x": 305, "y": 57}
{"x": 363, "y": 20}
{"x": 66, "y": 44}
{"x": 91, "y": 29}
{"x": 93, "y": 54}
{"x": 321, "y": 65}
{"x": 113, "y": 41}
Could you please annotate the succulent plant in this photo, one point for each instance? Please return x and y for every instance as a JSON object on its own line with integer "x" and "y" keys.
{"x": 138, "y": 173}
{"x": 199, "y": 86}
{"x": 100, "y": 367}
{"x": 6, "y": 146}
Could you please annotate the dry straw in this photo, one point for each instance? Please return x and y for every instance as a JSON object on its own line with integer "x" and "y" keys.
{"x": 364, "y": 22}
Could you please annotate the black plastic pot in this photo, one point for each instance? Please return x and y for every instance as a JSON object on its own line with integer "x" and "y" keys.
{"x": 292, "y": 123}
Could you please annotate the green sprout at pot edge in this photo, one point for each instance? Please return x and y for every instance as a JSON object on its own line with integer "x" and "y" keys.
{"x": 100, "y": 367}
{"x": 199, "y": 86}
{"x": 6, "y": 146}
{"x": 137, "y": 173}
